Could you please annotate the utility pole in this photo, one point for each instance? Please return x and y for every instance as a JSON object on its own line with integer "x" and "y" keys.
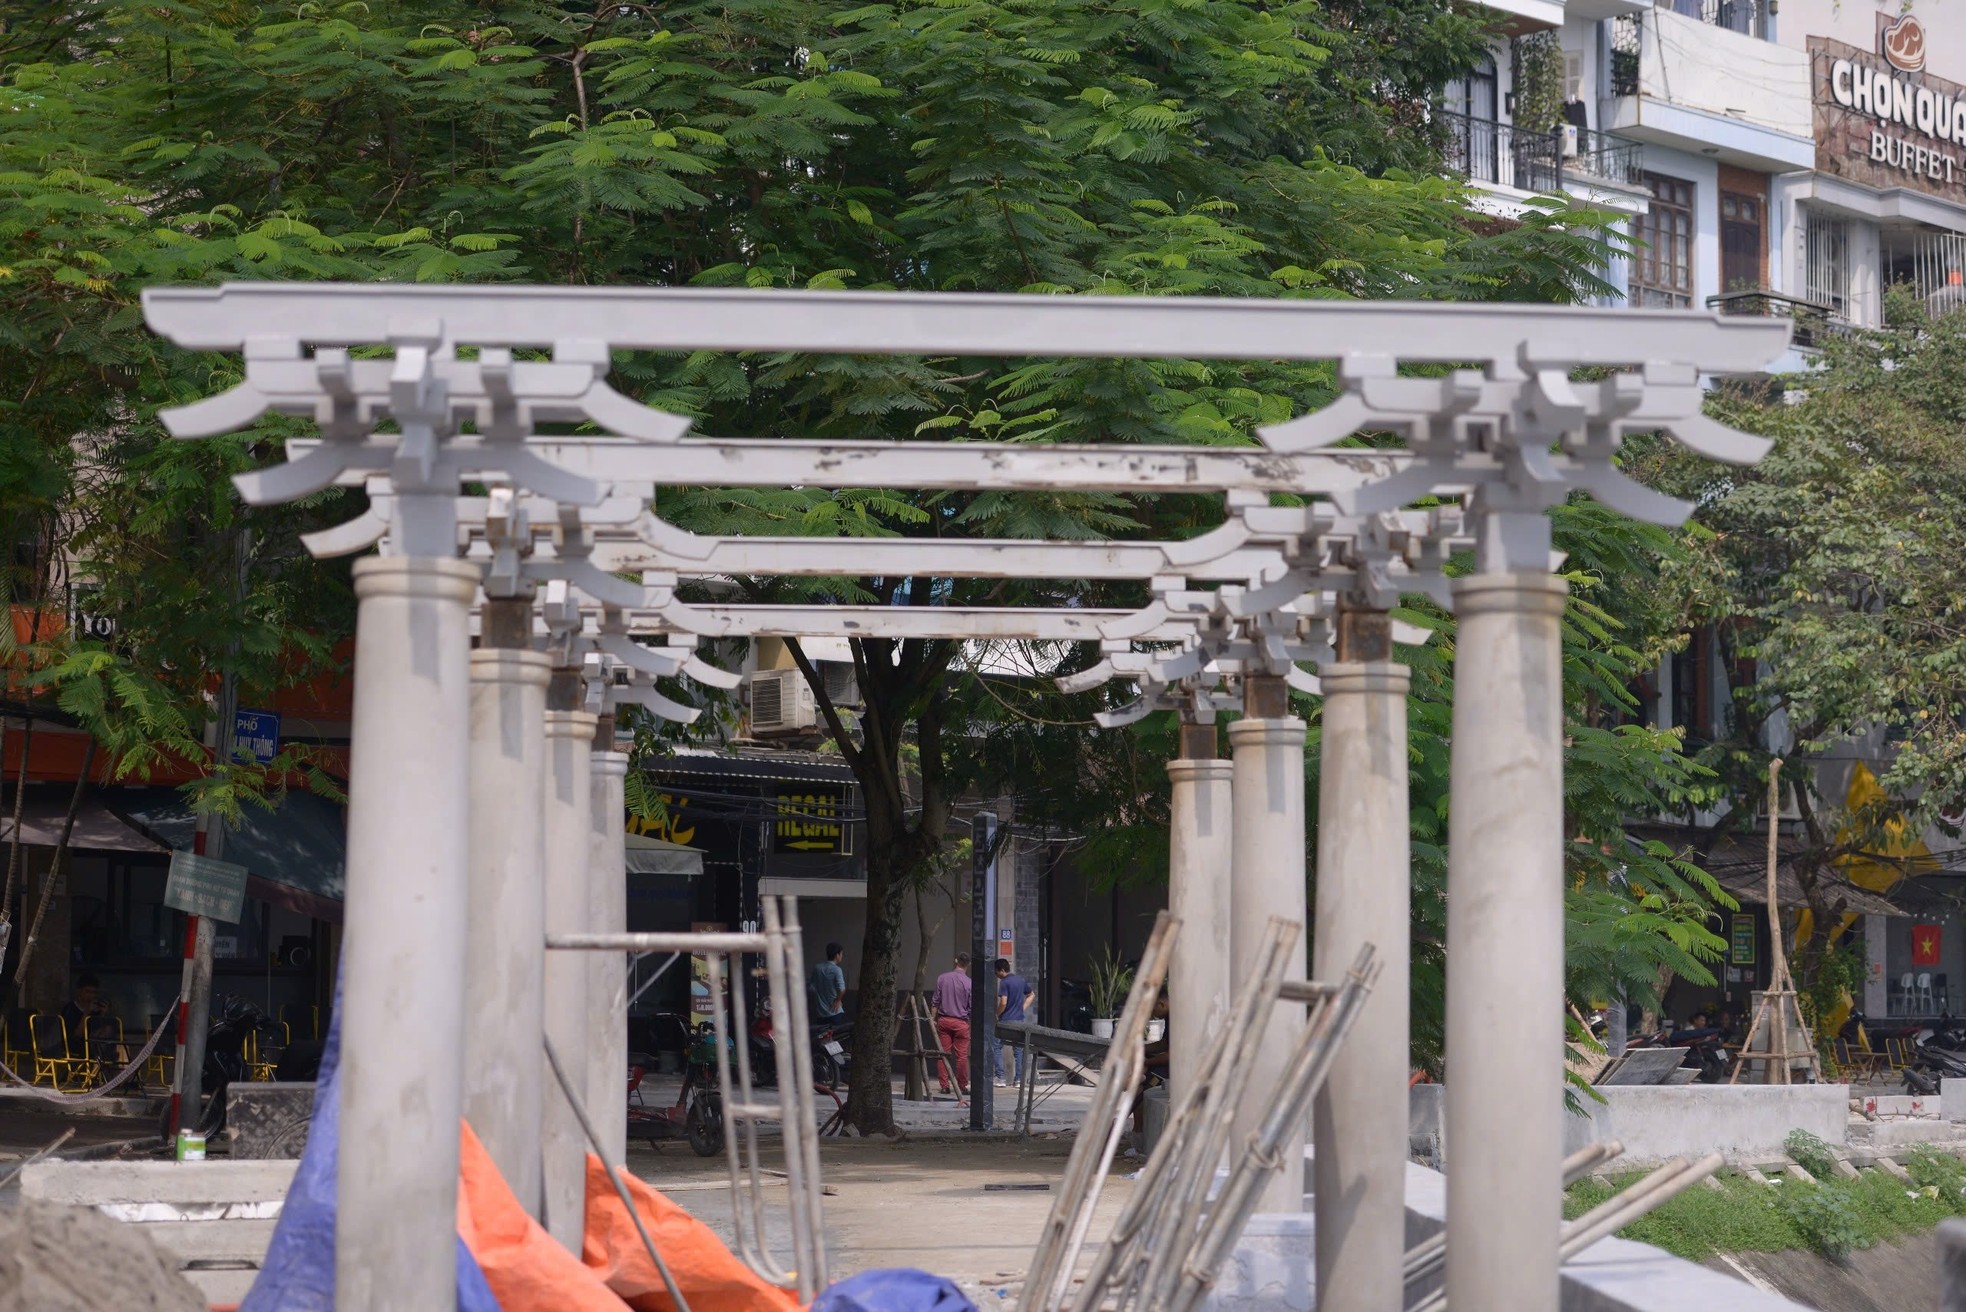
{"x": 982, "y": 971}
{"x": 195, "y": 992}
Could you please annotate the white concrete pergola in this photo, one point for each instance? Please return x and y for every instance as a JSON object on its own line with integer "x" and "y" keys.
{"x": 445, "y": 737}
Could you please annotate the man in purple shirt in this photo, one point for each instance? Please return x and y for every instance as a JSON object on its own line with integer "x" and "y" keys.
{"x": 952, "y": 1021}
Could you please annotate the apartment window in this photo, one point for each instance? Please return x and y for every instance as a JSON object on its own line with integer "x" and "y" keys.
{"x": 1662, "y": 267}
{"x": 1826, "y": 262}
{"x": 1470, "y": 105}
{"x": 1740, "y": 242}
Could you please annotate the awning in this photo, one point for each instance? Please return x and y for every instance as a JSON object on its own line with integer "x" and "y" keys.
{"x": 659, "y": 856}
{"x": 784, "y": 767}
{"x": 44, "y": 810}
{"x": 1750, "y": 885}
{"x": 296, "y": 854}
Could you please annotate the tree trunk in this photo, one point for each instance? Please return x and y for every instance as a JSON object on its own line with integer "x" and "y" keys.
{"x": 56, "y": 864}
{"x": 871, "y": 1085}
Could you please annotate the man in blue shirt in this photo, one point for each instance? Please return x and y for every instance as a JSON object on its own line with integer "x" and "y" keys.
{"x": 828, "y": 984}
{"x": 1013, "y": 996}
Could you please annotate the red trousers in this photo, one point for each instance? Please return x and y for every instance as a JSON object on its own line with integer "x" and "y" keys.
{"x": 955, "y": 1041}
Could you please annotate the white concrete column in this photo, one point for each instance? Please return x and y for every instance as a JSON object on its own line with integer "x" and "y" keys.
{"x": 607, "y": 913}
{"x": 1200, "y": 849}
{"x": 1505, "y": 1110}
{"x": 1267, "y": 879}
{"x": 1359, "y": 1121}
{"x": 505, "y": 961}
{"x": 402, "y": 1057}
{"x": 569, "y": 806}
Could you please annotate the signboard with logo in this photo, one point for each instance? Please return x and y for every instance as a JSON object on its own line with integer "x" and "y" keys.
{"x": 673, "y": 826}
{"x": 1881, "y": 119}
{"x": 812, "y": 819}
{"x": 257, "y": 732}
{"x": 206, "y": 887}
{"x": 1741, "y": 941}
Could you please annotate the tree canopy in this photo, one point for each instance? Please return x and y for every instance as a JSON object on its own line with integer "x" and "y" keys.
{"x": 1172, "y": 147}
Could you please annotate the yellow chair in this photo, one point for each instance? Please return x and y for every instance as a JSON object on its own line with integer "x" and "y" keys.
{"x": 158, "y": 1067}
{"x": 14, "y": 1048}
{"x": 54, "y": 1060}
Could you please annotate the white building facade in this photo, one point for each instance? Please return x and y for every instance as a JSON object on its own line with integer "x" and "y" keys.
{"x": 1777, "y": 157}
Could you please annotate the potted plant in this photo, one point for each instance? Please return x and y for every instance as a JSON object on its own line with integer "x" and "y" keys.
{"x": 1112, "y": 980}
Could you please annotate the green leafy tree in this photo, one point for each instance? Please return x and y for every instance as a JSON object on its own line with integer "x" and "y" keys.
{"x": 1171, "y": 147}
{"x": 1829, "y": 575}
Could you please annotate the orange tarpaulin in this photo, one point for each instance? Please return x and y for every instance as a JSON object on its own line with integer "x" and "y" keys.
{"x": 709, "y": 1275}
{"x": 526, "y": 1269}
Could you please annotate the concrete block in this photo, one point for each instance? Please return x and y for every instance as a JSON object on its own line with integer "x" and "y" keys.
{"x": 268, "y": 1121}
{"x": 1426, "y": 1124}
{"x": 1952, "y": 1099}
{"x": 1886, "y": 1136}
{"x": 1891, "y": 1168}
{"x": 90, "y": 1184}
{"x": 1273, "y": 1268}
{"x": 1903, "y": 1105}
{"x": 1743, "y": 1121}
{"x": 1796, "y": 1170}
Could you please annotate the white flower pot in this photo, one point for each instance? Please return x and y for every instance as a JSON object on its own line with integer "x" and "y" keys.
{"x": 1155, "y": 1029}
{"x": 1102, "y": 1029}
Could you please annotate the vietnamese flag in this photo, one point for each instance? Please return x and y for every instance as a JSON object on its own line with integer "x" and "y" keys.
{"x": 1924, "y": 945}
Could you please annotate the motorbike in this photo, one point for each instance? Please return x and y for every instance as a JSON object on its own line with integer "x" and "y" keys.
{"x": 697, "y": 1115}
{"x": 233, "y": 1022}
{"x": 830, "y": 1059}
{"x": 1705, "y": 1051}
{"x": 1939, "y": 1053}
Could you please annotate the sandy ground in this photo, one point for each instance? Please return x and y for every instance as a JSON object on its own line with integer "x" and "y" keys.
{"x": 919, "y": 1201}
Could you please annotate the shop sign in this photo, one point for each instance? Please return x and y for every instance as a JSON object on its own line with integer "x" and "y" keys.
{"x": 205, "y": 887}
{"x": 812, "y": 820}
{"x": 674, "y": 826}
{"x": 702, "y": 1003}
{"x": 1740, "y": 948}
{"x": 1881, "y": 120}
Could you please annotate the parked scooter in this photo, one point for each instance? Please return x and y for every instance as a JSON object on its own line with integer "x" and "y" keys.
{"x": 1705, "y": 1050}
{"x": 234, "y": 1021}
{"x": 829, "y": 1052}
{"x": 697, "y": 1115}
{"x": 1939, "y": 1053}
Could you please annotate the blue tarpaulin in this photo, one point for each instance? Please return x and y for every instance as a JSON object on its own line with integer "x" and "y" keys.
{"x": 897, "y": 1289}
{"x": 298, "y": 1273}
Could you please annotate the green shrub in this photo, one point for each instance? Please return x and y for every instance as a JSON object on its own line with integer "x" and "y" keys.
{"x": 1811, "y": 1154}
{"x": 1826, "y": 1218}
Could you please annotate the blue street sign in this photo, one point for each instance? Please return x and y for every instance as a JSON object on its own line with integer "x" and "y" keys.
{"x": 257, "y": 732}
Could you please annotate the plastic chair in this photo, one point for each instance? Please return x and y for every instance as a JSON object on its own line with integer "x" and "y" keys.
{"x": 1924, "y": 994}
{"x": 159, "y": 1059}
{"x": 1942, "y": 1000}
{"x": 54, "y": 1060}
{"x": 1903, "y": 993}
{"x": 14, "y": 1048}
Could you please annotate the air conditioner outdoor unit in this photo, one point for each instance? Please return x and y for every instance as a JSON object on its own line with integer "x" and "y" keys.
{"x": 781, "y": 702}
{"x": 1569, "y": 131}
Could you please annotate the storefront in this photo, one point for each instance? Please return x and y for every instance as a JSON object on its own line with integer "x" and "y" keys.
{"x": 1886, "y": 205}
{"x": 755, "y": 822}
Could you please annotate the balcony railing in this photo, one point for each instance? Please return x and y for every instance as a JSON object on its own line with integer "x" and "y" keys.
{"x": 1813, "y": 322}
{"x": 1748, "y": 17}
{"x": 1605, "y": 158}
{"x": 1482, "y": 150}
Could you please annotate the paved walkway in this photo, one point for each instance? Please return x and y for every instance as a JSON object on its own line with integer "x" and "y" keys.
{"x": 917, "y": 1201}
